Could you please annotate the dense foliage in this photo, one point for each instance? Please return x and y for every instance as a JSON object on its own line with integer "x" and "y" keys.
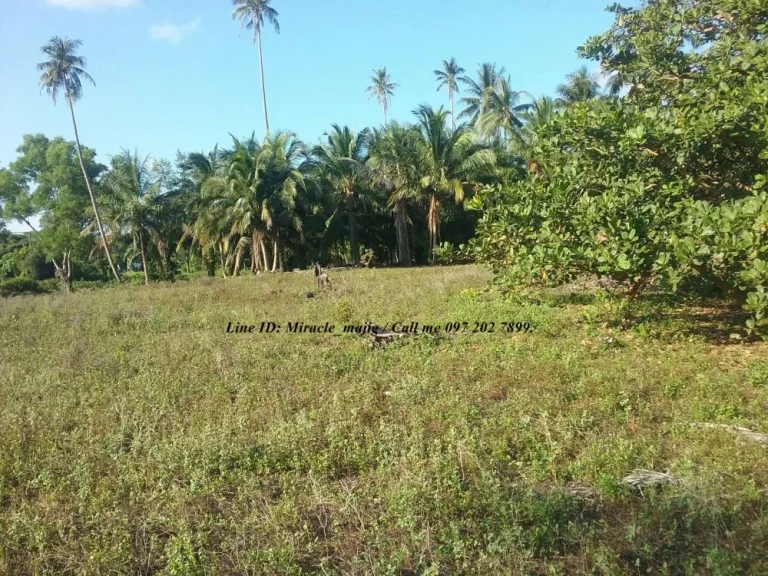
{"x": 665, "y": 186}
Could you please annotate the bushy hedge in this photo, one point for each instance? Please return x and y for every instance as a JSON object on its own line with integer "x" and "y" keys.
{"x": 664, "y": 185}
{"x": 19, "y": 286}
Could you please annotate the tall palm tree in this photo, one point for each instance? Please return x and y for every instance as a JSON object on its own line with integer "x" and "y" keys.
{"x": 253, "y": 15}
{"x": 503, "y": 111}
{"x": 257, "y": 197}
{"x": 450, "y": 161}
{"x": 541, "y": 112}
{"x": 396, "y": 163}
{"x": 581, "y": 85}
{"x": 196, "y": 169}
{"x": 476, "y": 101}
{"x": 64, "y": 71}
{"x": 132, "y": 205}
{"x": 234, "y": 208}
{"x": 341, "y": 161}
{"x": 382, "y": 88}
{"x": 448, "y": 77}
{"x": 281, "y": 182}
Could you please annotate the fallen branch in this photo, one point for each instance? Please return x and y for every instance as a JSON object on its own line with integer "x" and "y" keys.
{"x": 644, "y": 478}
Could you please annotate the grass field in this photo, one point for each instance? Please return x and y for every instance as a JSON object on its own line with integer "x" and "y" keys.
{"x": 137, "y": 436}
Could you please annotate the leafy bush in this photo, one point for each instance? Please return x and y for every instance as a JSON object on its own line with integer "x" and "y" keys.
{"x": 446, "y": 253}
{"x": 662, "y": 186}
{"x": 19, "y": 286}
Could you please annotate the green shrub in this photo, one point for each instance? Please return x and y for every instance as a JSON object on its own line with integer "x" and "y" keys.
{"x": 665, "y": 186}
{"x": 19, "y": 286}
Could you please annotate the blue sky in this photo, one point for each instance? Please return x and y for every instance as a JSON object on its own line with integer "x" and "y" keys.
{"x": 176, "y": 74}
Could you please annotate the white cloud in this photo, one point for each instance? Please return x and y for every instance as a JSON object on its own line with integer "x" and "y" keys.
{"x": 86, "y": 5}
{"x": 173, "y": 33}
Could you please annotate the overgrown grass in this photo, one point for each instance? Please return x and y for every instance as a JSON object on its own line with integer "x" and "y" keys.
{"x": 138, "y": 437}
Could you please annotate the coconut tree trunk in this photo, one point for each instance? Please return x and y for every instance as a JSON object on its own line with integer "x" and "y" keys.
{"x": 453, "y": 115}
{"x": 90, "y": 190}
{"x": 433, "y": 225}
{"x": 143, "y": 259}
{"x": 354, "y": 247}
{"x": 255, "y": 258}
{"x": 263, "y": 87}
{"x": 238, "y": 260}
{"x": 265, "y": 262}
{"x": 223, "y": 260}
{"x": 275, "y": 250}
{"x": 401, "y": 227}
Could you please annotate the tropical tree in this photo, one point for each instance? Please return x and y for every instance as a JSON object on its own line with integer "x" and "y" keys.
{"x": 282, "y": 181}
{"x": 448, "y": 77}
{"x": 502, "y": 117}
{"x": 476, "y": 100}
{"x": 132, "y": 205}
{"x": 581, "y": 85}
{"x": 382, "y": 88}
{"x": 196, "y": 168}
{"x": 450, "y": 161}
{"x": 253, "y": 15}
{"x": 540, "y": 113}
{"x": 254, "y": 201}
{"x": 396, "y": 163}
{"x": 341, "y": 161}
{"x": 63, "y": 72}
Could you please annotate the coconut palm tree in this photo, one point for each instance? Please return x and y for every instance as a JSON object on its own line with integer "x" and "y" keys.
{"x": 63, "y": 72}
{"x": 132, "y": 205}
{"x": 382, "y": 88}
{"x": 341, "y": 161}
{"x": 582, "y": 85}
{"x": 253, "y": 15}
{"x": 476, "y": 100}
{"x": 281, "y": 182}
{"x": 448, "y": 77}
{"x": 396, "y": 164}
{"x": 195, "y": 169}
{"x": 256, "y": 198}
{"x": 503, "y": 111}
{"x": 451, "y": 160}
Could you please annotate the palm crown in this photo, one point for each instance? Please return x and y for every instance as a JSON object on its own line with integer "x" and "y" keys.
{"x": 448, "y": 77}
{"x": 253, "y": 14}
{"x": 382, "y": 88}
{"x": 582, "y": 85}
{"x": 64, "y": 70}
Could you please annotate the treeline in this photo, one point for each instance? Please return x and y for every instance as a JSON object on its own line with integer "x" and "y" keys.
{"x": 392, "y": 195}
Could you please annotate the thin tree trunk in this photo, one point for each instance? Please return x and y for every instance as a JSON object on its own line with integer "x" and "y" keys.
{"x": 254, "y": 253}
{"x": 238, "y": 260}
{"x": 275, "y": 249}
{"x": 401, "y": 226}
{"x": 64, "y": 272}
{"x": 90, "y": 190}
{"x": 353, "y": 245}
{"x": 264, "y": 254}
{"x": 143, "y": 259}
{"x": 28, "y": 223}
{"x": 223, "y": 260}
{"x": 385, "y": 114}
{"x": 433, "y": 225}
{"x": 453, "y": 116}
{"x": 263, "y": 87}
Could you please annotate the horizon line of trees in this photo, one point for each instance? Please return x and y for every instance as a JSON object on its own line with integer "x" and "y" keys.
{"x": 391, "y": 194}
